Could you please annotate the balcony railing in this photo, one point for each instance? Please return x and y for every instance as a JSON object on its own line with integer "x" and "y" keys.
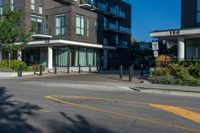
{"x": 122, "y": 14}
{"x": 122, "y": 44}
{"x": 111, "y": 26}
{"x": 102, "y": 7}
{"x": 113, "y": 11}
{"x": 124, "y": 29}
{"x": 87, "y": 3}
{"x": 69, "y": 1}
{"x": 127, "y": 1}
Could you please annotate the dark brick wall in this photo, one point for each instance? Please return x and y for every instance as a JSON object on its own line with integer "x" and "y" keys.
{"x": 71, "y": 12}
{"x": 53, "y": 7}
{"x": 189, "y": 14}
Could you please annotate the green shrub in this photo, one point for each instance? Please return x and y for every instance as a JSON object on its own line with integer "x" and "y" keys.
{"x": 4, "y": 64}
{"x": 36, "y": 68}
{"x": 14, "y": 65}
{"x": 166, "y": 80}
{"x": 194, "y": 70}
{"x": 178, "y": 74}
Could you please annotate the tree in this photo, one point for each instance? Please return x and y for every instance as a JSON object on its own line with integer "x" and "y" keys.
{"x": 133, "y": 40}
{"x": 12, "y": 35}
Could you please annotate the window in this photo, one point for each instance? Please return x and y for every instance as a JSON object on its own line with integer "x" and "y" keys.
{"x": 82, "y": 57}
{"x": 33, "y": 5}
{"x": 37, "y": 23}
{"x": 60, "y": 24}
{"x": 198, "y": 11}
{"x": 12, "y": 5}
{"x": 80, "y": 25}
{"x": 1, "y": 7}
{"x": 47, "y": 26}
{"x": 40, "y": 10}
{"x": 61, "y": 57}
{"x": 88, "y": 27}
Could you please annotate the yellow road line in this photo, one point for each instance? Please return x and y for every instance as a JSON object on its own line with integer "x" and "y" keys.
{"x": 116, "y": 100}
{"x": 105, "y": 99}
{"x": 179, "y": 111}
{"x": 44, "y": 110}
{"x": 123, "y": 115}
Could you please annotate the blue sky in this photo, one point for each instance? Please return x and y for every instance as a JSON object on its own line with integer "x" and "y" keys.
{"x": 149, "y": 15}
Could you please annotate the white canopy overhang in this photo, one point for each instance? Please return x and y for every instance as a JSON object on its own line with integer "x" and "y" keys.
{"x": 60, "y": 42}
{"x": 172, "y": 35}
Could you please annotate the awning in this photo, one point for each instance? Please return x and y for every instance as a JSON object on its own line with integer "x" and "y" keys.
{"x": 60, "y": 42}
{"x": 172, "y": 35}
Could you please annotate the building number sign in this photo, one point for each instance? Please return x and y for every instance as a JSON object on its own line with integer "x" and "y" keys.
{"x": 174, "y": 32}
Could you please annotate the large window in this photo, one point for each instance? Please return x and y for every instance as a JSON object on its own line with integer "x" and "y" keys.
{"x": 33, "y": 5}
{"x": 12, "y": 5}
{"x": 61, "y": 24}
{"x": 1, "y": 7}
{"x": 74, "y": 55}
{"x": 80, "y": 25}
{"x": 43, "y": 56}
{"x": 61, "y": 57}
{"x": 198, "y": 11}
{"x": 37, "y": 23}
{"x": 83, "y": 57}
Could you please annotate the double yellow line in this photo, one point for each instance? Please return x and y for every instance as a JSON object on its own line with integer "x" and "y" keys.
{"x": 152, "y": 121}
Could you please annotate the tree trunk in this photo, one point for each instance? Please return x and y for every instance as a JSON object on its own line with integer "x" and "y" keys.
{"x": 9, "y": 59}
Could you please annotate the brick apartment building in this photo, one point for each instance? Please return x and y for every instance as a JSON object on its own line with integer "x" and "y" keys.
{"x": 188, "y": 36}
{"x": 75, "y": 32}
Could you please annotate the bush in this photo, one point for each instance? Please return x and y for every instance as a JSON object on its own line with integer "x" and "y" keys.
{"x": 194, "y": 71}
{"x": 14, "y": 65}
{"x": 177, "y": 74}
{"x": 36, "y": 68}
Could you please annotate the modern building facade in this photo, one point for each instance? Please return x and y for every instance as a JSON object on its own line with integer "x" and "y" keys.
{"x": 75, "y": 32}
{"x": 188, "y": 36}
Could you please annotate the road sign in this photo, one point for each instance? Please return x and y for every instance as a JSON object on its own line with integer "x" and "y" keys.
{"x": 155, "y": 53}
{"x": 155, "y": 46}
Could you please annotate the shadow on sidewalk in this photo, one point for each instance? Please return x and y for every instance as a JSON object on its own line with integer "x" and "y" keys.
{"x": 12, "y": 115}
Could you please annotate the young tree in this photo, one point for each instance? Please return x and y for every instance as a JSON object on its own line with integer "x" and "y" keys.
{"x": 12, "y": 35}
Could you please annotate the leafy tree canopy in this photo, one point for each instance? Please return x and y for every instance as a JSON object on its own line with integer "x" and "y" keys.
{"x": 11, "y": 31}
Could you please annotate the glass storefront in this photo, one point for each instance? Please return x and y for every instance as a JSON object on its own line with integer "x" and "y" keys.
{"x": 62, "y": 56}
{"x": 192, "y": 48}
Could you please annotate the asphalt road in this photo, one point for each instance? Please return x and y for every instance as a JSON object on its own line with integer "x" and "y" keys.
{"x": 32, "y": 107}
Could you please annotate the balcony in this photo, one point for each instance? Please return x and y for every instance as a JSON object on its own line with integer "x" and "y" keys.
{"x": 111, "y": 27}
{"x": 68, "y": 1}
{"x": 88, "y": 4}
{"x": 101, "y": 7}
{"x": 122, "y": 14}
{"x": 40, "y": 33}
{"x": 122, "y": 44}
{"x": 124, "y": 30}
{"x": 111, "y": 12}
{"x": 126, "y": 1}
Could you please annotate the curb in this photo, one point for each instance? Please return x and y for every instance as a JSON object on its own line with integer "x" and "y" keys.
{"x": 167, "y": 91}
